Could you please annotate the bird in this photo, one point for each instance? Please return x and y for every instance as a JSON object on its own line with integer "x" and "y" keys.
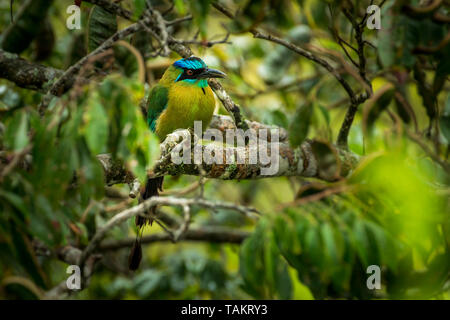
{"x": 181, "y": 97}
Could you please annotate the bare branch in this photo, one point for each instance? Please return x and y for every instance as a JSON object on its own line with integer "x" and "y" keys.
{"x": 207, "y": 234}
{"x": 206, "y": 43}
{"x": 422, "y": 11}
{"x": 179, "y": 20}
{"x": 355, "y": 100}
{"x": 145, "y": 206}
{"x": 72, "y": 255}
{"x": 308, "y": 55}
{"x": 291, "y": 85}
{"x": 185, "y": 226}
{"x": 162, "y": 28}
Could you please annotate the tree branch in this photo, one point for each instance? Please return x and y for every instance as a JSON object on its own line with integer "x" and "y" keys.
{"x": 59, "y": 87}
{"x": 308, "y": 55}
{"x": 355, "y": 100}
{"x": 26, "y": 74}
{"x": 420, "y": 12}
{"x": 303, "y": 161}
{"x": 222, "y": 123}
{"x": 40, "y": 78}
{"x": 145, "y": 206}
{"x": 180, "y": 47}
{"x": 208, "y": 234}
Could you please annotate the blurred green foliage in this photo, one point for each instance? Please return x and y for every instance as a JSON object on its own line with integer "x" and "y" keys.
{"x": 392, "y": 211}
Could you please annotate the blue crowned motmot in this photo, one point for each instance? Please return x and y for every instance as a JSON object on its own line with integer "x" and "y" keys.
{"x": 181, "y": 97}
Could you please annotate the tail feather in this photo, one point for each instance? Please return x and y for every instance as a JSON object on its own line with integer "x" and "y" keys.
{"x": 152, "y": 188}
{"x": 136, "y": 253}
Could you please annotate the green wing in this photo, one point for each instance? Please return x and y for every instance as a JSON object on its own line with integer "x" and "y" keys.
{"x": 157, "y": 102}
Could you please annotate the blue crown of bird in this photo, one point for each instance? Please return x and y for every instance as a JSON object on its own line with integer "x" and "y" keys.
{"x": 181, "y": 97}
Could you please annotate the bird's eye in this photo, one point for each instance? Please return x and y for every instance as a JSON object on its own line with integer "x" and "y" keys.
{"x": 189, "y": 72}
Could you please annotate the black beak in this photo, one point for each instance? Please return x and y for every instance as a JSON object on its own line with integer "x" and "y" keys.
{"x": 211, "y": 73}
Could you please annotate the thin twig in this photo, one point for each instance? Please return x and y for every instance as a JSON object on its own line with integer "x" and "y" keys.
{"x": 177, "y": 21}
{"x": 315, "y": 197}
{"x": 204, "y": 233}
{"x": 308, "y": 55}
{"x": 207, "y": 43}
{"x": 145, "y": 206}
{"x": 185, "y": 226}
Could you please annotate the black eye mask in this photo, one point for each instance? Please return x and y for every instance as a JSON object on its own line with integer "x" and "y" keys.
{"x": 194, "y": 75}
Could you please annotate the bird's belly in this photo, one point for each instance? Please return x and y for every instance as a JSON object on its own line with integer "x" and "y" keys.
{"x": 184, "y": 107}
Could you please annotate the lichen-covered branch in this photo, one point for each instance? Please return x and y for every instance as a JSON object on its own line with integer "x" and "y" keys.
{"x": 26, "y": 74}
{"x": 308, "y": 160}
{"x": 223, "y": 123}
{"x": 115, "y": 172}
{"x": 152, "y": 21}
{"x": 292, "y": 162}
{"x": 312, "y": 159}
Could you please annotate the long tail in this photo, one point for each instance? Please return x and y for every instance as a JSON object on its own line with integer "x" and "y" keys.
{"x": 152, "y": 188}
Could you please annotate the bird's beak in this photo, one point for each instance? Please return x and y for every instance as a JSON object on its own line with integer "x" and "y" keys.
{"x": 211, "y": 73}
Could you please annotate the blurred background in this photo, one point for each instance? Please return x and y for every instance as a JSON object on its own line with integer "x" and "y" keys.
{"x": 392, "y": 210}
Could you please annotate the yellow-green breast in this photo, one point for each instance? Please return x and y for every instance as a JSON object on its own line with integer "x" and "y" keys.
{"x": 186, "y": 104}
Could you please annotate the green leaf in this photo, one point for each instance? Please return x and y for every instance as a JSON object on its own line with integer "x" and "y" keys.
{"x": 299, "y": 127}
{"x": 95, "y": 126}
{"x": 329, "y": 242}
{"x": 325, "y": 113}
{"x": 361, "y": 242}
{"x": 277, "y": 118}
{"x": 179, "y": 5}
{"x": 14, "y": 200}
{"x": 380, "y": 105}
{"x": 21, "y": 140}
{"x": 26, "y": 26}
{"x": 264, "y": 272}
{"x": 27, "y": 258}
{"x": 200, "y": 10}
{"x": 16, "y": 135}
{"x": 313, "y": 246}
{"x": 139, "y": 7}
{"x": 385, "y": 244}
{"x": 397, "y": 38}
{"x": 45, "y": 227}
{"x": 442, "y": 72}
{"x": 101, "y": 26}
